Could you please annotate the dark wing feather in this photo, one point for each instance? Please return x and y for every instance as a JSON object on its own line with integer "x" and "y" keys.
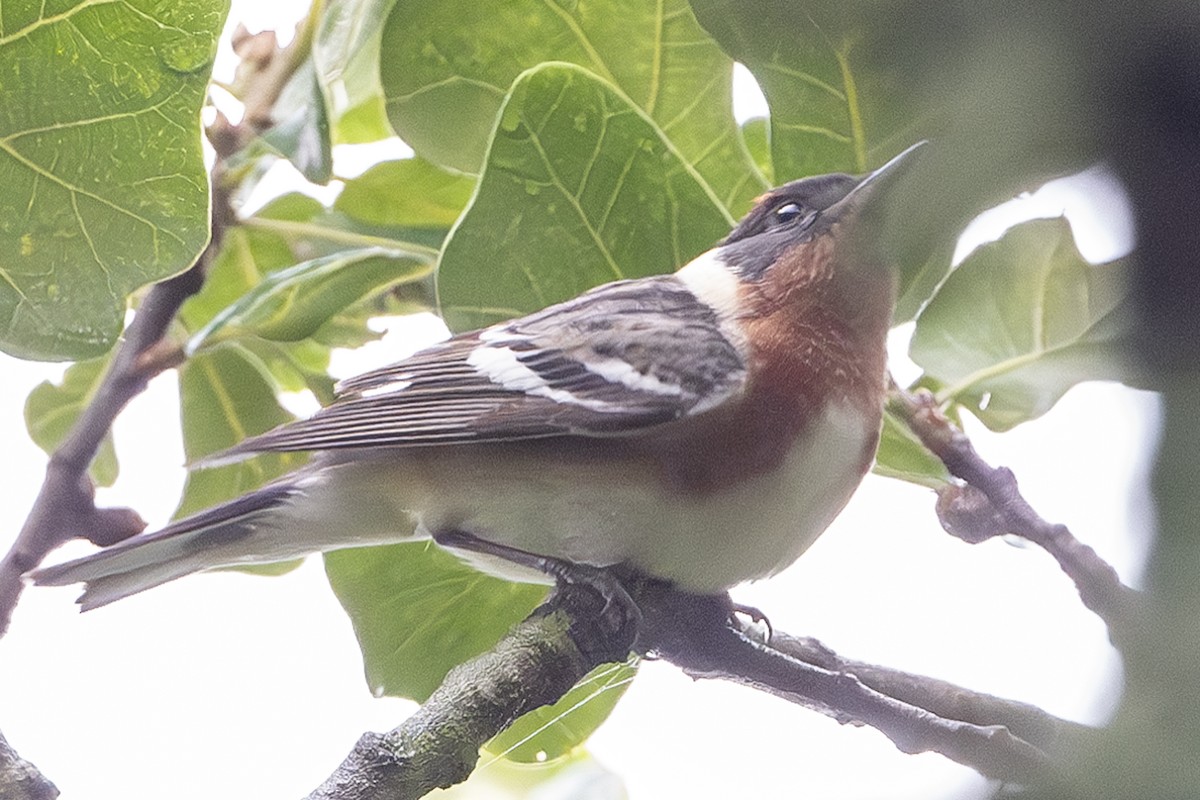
{"x": 616, "y": 359}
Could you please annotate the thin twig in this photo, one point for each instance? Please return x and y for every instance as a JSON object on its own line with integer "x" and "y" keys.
{"x": 1046, "y": 732}
{"x": 693, "y": 632}
{"x": 65, "y": 507}
{"x": 991, "y": 504}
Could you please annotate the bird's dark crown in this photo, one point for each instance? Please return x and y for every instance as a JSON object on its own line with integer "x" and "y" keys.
{"x": 781, "y": 218}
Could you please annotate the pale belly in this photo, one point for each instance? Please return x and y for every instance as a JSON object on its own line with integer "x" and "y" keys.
{"x": 600, "y": 514}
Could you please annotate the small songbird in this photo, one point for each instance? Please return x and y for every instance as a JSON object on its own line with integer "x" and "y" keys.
{"x": 702, "y": 427}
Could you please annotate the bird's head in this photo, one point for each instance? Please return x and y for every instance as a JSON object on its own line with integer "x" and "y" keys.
{"x": 814, "y": 241}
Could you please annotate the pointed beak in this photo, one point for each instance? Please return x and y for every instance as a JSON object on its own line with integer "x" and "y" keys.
{"x": 871, "y": 184}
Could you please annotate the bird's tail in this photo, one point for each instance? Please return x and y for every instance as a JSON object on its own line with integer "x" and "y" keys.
{"x": 218, "y": 536}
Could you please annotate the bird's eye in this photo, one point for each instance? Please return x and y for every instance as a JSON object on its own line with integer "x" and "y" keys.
{"x": 786, "y": 213}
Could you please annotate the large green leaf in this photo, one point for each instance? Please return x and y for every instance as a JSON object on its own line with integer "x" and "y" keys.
{"x": 579, "y": 188}
{"x": 555, "y": 730}
{"x": 296, "y": 366}
{"x": 447, "y": 68}
{"x": 309, "y": 230}
{"x": 245, "y": 257}
{"x": 828, "y": 113}
{"x": 1021, "y": 321}
{"x": 51, "y": 410}
{"x": 102, "y": 180}
{"x": 419, "y": 611}
{"x": 756, "y": 134}
{"x": 838, "y": 105}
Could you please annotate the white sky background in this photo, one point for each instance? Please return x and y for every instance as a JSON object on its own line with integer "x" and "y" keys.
{"x": 228, "y": 685}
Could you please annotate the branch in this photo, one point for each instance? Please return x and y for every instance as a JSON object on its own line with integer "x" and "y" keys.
{"x": 1048, "y": 733}
{"x": 694, "y": 633}
{"x": 538, "y": 662}
{"x": 534, "y": 665}
{"x": 990, "y": 503}
{"x": 65, "y": 506}
{"x": 20, "y": 780}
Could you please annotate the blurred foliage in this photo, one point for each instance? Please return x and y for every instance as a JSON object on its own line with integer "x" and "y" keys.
{"x": 552, "y": 732}
{"x": 1019, "y": 322}
{"x": 561, "y": 145}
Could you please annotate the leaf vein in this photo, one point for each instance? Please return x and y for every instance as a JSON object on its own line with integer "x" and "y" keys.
{"x": 42, "y": 21}
{"x": 38, "y": 169}
{"x": 557, "y": 181}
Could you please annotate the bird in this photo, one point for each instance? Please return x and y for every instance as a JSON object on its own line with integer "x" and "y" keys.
{"x": 702, "y": 427}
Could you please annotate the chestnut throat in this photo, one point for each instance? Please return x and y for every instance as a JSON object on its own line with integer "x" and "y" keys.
{"x": 819, "y": 341}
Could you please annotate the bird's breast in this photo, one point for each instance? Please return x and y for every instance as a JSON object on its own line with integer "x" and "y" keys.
{"x": 759, "y": 521}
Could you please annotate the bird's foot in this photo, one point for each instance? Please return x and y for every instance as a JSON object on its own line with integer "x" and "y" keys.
{"x": 616, "y": 623}
{"x": 756, "y": 616}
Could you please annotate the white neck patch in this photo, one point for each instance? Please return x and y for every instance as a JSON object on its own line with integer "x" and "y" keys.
{"x": 710, "y": 279}
{"x": 713, "y": 283}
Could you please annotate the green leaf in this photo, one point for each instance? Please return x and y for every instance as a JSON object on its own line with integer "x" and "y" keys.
{"x": 447, "y": 69}
{"x": 828, "y": 112}
{"x": 419, "y": 611}
{"x": 243, "y": 260}
{"x": 842, "y": 100}
{"x": 347, "y": 56}
{"x": 576, "y": 776}
{"x": 296, "y": 366}
{"x": 411, "y": 193}
{"x": 225, "y": 395}
{"x": 901, "y": 455}
{"x": 919, "y": 280}
{"x": 579, "y": 188}
{"x": 1021, "y": 321}
{"x": 301, "y": 130}
{"x": 554, "y": 731}
{"x": 291, "y": 304}
{"x": 102, "y": 181}
{"x": 52, "y": 409}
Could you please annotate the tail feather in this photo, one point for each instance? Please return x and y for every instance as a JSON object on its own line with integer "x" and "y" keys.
{"x": 147, "y": 560}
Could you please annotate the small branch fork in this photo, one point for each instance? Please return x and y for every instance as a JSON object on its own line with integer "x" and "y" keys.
{"x": 65, "y": 507}
{"x": 989, "y": 503}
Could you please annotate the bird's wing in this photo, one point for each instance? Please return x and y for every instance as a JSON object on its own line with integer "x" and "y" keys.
{"x": 616, "y": 359}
